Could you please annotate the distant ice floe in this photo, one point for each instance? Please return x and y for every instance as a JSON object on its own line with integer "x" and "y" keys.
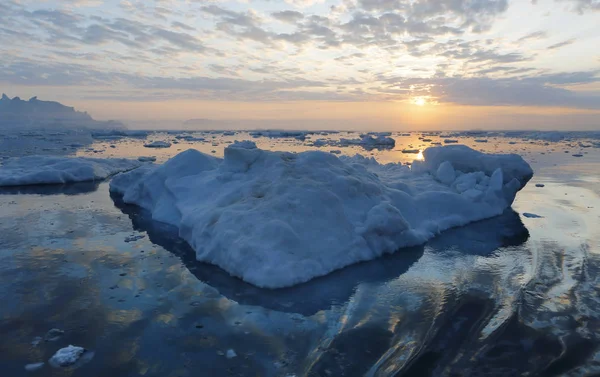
{"x": 158, "y": 144}
{"x": 276, "y": 219}
{"x": 146, "y": 159}
{"x": 367, "y": 141}
{"x": 41, "y": 170}
{"x": 299, "y": 135}
{"x": 112, "y": 134}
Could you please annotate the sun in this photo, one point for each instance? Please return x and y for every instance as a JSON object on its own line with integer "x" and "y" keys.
{"x": 419, "y": 101}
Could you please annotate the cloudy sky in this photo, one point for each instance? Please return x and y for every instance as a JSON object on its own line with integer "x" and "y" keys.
{"x": 380, "y": 64}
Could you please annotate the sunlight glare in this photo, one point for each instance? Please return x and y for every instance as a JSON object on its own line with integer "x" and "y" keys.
{"x": 419, "y": 101}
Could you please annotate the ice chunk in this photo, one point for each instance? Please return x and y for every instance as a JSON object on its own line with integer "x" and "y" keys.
{"x": 67, "y": 356}
{"x": 230, "y": 354}
{"x": 39, "y": 170}
{"x": 53, "y": 335}
{"x": 276, "y": 219}
{"x": 445, "y": 173}
{"x": 468, "y": 160}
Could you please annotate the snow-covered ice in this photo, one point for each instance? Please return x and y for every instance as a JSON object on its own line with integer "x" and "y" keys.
{"x": 276, "y": 219}
{"x": 67, "y": 356}
{"x": 38, "y": 170}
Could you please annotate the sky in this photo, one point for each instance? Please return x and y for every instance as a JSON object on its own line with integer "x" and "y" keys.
{"x": 310, "y": 64}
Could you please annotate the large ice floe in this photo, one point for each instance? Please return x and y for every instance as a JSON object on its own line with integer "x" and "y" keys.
{"x": 276, "y": 219}
{"x": 41, "y": 170}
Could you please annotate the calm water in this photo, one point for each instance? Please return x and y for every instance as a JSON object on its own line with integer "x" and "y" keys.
{"x": 509, "y": 296}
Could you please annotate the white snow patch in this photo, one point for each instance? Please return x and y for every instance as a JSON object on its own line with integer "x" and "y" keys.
{"x": 230, "y": 354}
{"x": 39, "y": 170}
{"x": 276, "y": 219}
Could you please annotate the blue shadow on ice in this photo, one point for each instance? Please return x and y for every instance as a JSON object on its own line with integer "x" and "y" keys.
{"x": 336, "y": 288}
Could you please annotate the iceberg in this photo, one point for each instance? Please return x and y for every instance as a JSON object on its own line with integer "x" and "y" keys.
{"x": 277, "y": 219}
{"x": 43, "y": 170}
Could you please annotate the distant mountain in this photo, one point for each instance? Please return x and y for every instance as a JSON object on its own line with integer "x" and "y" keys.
{"x": 16, "y": 114}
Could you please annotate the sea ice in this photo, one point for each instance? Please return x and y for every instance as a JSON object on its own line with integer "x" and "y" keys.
{"x": 276, "y": 219}
{"x": 39, "y": 170}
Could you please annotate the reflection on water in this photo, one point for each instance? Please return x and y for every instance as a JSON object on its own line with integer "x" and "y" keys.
{"x": 508, "y": 296}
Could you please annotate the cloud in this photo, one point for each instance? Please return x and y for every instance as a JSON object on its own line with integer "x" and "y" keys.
{"x": 534, "y": 35}
{"x": 289, "y": 16}
{"x": 561, "y": 44}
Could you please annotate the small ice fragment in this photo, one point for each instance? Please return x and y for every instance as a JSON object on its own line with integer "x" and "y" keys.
{"x": 134, "y": 238}
{"x": 67, "y": 356}
{"x": 36, "y": 341}
{"x": 230, "y": 354}
{"x": 33, "y": 367}
{"x": 532, "y": 215}
{"x": 53, "y": 334}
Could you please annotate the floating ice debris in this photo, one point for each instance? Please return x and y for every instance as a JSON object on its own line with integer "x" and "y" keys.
{"x": 370, "y": 141}
{"x": 532, "y": 215}
{"x": 67, "y": 356}
{"x": 53, "y": 335}
{"x": 540, "y": 185}
{"x": 146, "y": 159}
{"x": 230, "y": 354}
{"x": 34, "y": 366}
{"x": 158, "y": 144}
{"x": 134, "y": 238}
{"x": 36, "y": 341}
{"x": 276, "y": 219}
{"x": 40, "y": 170}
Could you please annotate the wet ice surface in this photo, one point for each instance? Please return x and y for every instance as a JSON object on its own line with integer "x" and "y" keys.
{"x": 502, "y": 297}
